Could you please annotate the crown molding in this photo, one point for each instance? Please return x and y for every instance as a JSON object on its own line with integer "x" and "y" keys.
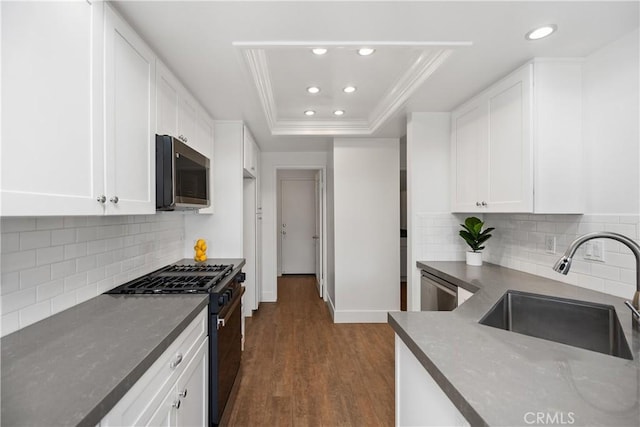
{"x": 430, "y": 59}
{"x": 426, "y": 63}
{"x": 256, "y": 60}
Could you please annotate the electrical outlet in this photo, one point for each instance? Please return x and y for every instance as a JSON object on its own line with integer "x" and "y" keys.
{"x": 550, "y": 244}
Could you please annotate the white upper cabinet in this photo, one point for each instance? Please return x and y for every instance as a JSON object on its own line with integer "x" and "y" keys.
{"x": 130, "y": 120}
{"x": 180, "y": 115}
{"x": 51, "y": 108}
{"x": 516, "y": 147}
{"x": 250, "y": 154}
{"x": 167, "y": 88}
{"x": 60, "y": 78}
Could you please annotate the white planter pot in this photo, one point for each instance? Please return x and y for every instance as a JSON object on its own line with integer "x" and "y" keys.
{"x": 474, "y": 258}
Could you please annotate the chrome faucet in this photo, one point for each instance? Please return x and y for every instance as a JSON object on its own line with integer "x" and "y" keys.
{"x": 564, "y": 263}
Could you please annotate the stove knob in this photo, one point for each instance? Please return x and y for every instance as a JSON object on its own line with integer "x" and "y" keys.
{"x": 221, "y": 300}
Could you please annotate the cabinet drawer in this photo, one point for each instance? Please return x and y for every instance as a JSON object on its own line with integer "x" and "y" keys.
{"x": 144, "y": 397}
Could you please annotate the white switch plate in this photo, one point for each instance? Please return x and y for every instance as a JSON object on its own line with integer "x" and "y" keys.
{"x": 594, "y": 250}
{"x": 550, "y": 244}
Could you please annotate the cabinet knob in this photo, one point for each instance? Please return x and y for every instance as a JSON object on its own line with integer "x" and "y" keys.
{"x": 182, "y": 138}
{"x": 102, "y": 198}
{"x": 484, "y": 203}
{"x": 176, "y": 404}
{"x": 114, "y": 199}
{"x": 183, "y": 393}
{"x": 175, "y": 362}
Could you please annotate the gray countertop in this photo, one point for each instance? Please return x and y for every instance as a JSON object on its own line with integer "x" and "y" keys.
{"x": 73, "y": 367}
{"x": 495, "y": 377}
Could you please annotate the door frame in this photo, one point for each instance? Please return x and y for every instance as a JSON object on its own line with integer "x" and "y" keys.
{"x": 323, "y": 232}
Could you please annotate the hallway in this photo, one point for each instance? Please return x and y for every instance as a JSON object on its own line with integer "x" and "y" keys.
{"x": 300, "y": 369}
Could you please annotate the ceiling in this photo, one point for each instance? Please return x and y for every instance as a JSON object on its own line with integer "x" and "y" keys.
{"x": 252, "y": 60}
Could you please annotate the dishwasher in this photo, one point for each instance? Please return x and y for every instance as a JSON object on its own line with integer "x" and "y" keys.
{"x": 437, "y": 294}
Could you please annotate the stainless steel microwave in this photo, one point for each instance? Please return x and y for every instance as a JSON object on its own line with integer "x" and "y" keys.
{"x": 182, "y": 176}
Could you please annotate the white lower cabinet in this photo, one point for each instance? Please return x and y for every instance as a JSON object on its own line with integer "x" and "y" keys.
{"x": 419, "y": 399}
{"x": 174, "y": 390}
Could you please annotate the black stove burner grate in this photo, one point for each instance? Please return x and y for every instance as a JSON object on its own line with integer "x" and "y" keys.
{"x": 196, "y": 268}
{"x": 177, "y": 279}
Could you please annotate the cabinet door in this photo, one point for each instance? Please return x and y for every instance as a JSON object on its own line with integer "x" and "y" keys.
{"x": 51, "y": 108}
{"x": 469, "y": 157}
{"x": 165, "y": 415}
{"x": 167, "y": 101}
{"x": 130, "y": 120}
{"x": 510, "y": 178}
{"x": 193, "y": 390}
{"x": 187, "y": 113}
{"x": 248, "y": 156}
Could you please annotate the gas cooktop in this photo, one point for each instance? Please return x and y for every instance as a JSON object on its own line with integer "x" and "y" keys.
{"x": 194, "y": 278}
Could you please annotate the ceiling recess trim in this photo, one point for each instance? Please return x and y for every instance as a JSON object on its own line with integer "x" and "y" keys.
{"x": 432, "y": 57}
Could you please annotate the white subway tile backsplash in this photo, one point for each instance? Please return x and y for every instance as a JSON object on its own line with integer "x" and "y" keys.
{"x": 33, "y": 313}
{"x": 52, "y": 263}
{"x": 49, "y": 290}
{"x": 49, "y": 255}
{"x": 10, "y": 323}
{"x": 17, "y": 300}
{"x": 75, "y": 250}
{"x": 10, "y": 242}
{"x": 62, "y": 302}
{"x": 35, "y": 239}
{"x": 49, "y": 223}
{"x": 63, "y": 237}
{"x": 17, "y": 224}
{"x": 16, "y": 261}
{"x": 519, "y": 242}
{"x": 10, "y": 282}
{"x": 35, "y": 276}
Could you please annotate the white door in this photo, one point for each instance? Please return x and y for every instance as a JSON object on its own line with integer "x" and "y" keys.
{"x": 318, "y": 234}
{"x": 298, "y": 226}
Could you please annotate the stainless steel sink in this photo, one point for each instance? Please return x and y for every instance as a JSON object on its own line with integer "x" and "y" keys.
{"x": 577, "y": 323}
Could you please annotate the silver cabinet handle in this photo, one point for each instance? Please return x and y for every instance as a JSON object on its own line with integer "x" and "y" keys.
{"x": 176, "y": 404}
{"x": 102, "y": 198}
{"x": 183, "y": 138}
{"x": 175, "y": 362}
{"x": 183, "y": 393}
{"x": 478, "y": 204}
{"x": 114, "y": 199}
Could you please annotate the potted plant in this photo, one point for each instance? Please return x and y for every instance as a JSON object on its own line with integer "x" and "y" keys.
{"x": 473, "y": 234}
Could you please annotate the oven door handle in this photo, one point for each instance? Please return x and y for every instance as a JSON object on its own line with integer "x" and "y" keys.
{"x": 223, "y": 321}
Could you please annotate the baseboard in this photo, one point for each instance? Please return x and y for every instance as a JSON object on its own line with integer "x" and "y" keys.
{"x": 332, "y": 308}
{"x": 360, "y": 316}
{"x": 268, "y": 297}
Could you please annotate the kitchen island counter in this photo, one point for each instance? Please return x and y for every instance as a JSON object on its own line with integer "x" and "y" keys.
{"x": 497, "y": 377}
{"x": 73, "y": 367}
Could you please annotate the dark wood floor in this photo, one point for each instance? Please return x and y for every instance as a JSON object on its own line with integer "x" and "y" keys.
{"x": 300, "y": 369}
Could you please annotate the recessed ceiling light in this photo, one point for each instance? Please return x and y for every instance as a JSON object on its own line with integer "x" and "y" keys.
{"x": 338, "y": 112}
{"x": 313, "y": 89}
{"x": 309, "y": 113}
{"x": 349, "y": 89}
{"x": 541, "y": 32}
{"x": 365, "y": 51}
{"x": 319, "y": 51}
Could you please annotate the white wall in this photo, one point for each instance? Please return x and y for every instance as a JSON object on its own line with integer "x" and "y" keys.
{"x": 428, "y": 199}
{"x": 367, "y": 229}
{"x": 270, "y": 163}
{"x": 330, "y": 235}
{"x": 50, "y": 264}
{"x": 610, "y": 127}
{"x": 223, "y": 230}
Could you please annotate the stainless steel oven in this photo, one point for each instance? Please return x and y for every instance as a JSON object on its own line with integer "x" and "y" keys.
{"x": 437, "y": 294}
